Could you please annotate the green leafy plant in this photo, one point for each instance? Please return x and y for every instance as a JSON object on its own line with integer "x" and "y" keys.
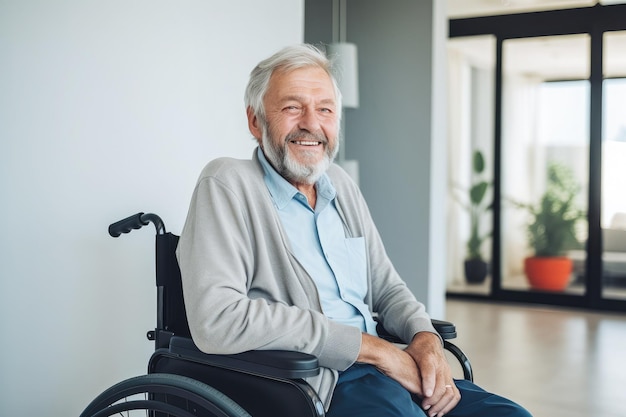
{"x": 476, "y": 207}
{"x": 552, "y": 228}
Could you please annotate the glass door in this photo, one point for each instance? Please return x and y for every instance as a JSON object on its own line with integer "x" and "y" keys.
{"x": 552, "y": 85}
{"x": 544, "y": 168}
{"x": 613, "y": 172}
{"x": 471, "y": 75}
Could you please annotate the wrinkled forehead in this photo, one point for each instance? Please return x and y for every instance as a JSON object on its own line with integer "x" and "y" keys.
{"x": 309, "y": 80}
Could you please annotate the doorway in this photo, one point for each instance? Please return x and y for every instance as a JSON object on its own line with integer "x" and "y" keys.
{"x": 540, "y": 96}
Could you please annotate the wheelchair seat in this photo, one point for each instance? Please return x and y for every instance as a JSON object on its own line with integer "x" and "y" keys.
{"x": 257, "y": 383}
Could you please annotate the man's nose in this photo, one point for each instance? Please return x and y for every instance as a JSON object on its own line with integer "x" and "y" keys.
{"x": 309, "y": 121}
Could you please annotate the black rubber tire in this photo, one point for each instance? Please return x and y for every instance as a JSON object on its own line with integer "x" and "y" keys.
{"x": 200, "y": 399}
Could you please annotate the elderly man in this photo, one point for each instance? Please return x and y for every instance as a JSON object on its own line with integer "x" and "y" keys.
{"x": 280, "y": 252}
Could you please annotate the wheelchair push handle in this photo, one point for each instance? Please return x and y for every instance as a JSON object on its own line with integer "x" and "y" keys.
{"x": 136, "y": 221}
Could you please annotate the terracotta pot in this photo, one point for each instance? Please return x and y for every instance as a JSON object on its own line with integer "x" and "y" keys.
{"x": 548, "y": 273}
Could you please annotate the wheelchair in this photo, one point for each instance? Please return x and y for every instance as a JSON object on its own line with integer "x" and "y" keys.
{"x": 183, "y": 381}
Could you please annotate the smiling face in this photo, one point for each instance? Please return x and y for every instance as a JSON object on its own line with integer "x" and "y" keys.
{"x": 299, "y": 133}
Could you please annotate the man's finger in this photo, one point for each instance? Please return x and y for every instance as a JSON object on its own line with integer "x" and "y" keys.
{"x": 446, "y": 399}
{"x": 429, "y": 378}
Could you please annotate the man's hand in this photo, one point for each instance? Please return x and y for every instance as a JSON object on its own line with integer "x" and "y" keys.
{"x": 421, "y": 368}
{"x": 391, "y": 361}
{"x": 437, "y": 388}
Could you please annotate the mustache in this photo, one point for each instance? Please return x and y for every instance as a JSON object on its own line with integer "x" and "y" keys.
{"x": 306, "y": 135}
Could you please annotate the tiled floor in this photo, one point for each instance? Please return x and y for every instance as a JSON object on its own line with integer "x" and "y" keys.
{"x": 555, "y": 362}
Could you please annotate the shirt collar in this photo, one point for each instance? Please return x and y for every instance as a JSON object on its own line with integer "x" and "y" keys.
{"x": 283, "y": 191}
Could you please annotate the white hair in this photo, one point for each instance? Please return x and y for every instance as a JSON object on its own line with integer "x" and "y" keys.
{"x": 287, "y": 59}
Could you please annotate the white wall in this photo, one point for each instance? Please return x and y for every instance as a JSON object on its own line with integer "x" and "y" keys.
{"x": 106, "y": 109}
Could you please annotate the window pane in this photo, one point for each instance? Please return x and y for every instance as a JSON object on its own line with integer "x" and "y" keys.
{"x": 613, "y": 215}
{"x": 545, "y": 152}
{"x": 471, "y": 63}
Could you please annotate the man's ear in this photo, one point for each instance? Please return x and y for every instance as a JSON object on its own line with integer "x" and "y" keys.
{"x": 254, "y": 124}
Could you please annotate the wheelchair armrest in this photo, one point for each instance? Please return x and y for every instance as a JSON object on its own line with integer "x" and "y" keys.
{"x": 274, "y": 363}
{"x": 445, "y": 329}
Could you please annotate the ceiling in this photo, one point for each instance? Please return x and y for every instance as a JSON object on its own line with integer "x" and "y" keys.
{"x": 472, "y": 8}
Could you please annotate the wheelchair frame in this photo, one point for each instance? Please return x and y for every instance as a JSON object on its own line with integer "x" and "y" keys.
{"x": 239, "y": 384}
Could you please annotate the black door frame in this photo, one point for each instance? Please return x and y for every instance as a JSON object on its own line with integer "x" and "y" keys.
{"x": 594, "y": 21}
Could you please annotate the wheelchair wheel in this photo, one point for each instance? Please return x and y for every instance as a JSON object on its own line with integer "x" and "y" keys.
{"x": 163, "y": 395}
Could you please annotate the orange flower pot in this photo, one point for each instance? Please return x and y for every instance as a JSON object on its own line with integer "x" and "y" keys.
{"x": 548, "y": 273}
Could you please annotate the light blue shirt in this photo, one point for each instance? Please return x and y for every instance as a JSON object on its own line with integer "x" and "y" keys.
{"x": 336, "y": 263}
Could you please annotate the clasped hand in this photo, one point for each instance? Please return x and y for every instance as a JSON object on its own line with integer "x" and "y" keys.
{"x": 421, "y": 368}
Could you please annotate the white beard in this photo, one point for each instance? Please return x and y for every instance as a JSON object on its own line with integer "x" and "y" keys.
{"x": 291, "y": 169}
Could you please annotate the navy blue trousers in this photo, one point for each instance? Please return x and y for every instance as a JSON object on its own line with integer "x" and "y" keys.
{"x": 363, "y": 391}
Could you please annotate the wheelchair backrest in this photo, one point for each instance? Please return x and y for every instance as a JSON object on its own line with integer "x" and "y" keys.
{"x": 171, "y": 314}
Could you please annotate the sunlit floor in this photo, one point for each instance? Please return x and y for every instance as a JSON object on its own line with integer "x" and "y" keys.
{"x": 556, "y": 362}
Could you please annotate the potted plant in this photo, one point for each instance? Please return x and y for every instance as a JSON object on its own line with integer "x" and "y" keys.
{"x": 552, "y": 231}
{"x": 475, "y": 267}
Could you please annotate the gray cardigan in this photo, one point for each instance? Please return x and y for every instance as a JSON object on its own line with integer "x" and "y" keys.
{"x": 245, "y": 290}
